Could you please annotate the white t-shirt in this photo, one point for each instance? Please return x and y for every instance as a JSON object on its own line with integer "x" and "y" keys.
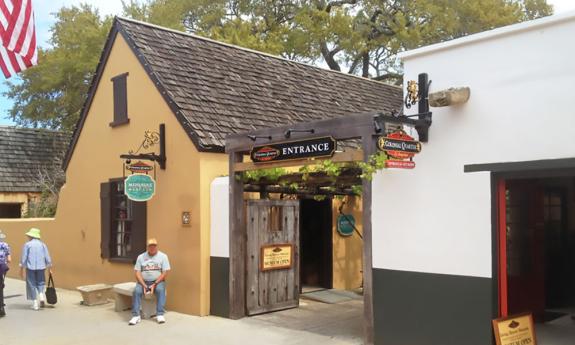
{"x": 152, "y": 266}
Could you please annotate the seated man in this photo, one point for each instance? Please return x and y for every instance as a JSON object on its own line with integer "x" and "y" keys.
{"x": 151, "y": 270}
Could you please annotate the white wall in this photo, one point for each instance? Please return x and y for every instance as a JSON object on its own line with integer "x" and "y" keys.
{"x": 437, "y": 218}
{"x": 219, "y": 209}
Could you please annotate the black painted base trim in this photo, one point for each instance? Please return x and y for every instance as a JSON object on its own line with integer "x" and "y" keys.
{"x": 219, "y": 286}
{"x": 412, "y": 308}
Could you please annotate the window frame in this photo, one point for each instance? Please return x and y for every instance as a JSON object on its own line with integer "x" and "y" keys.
{"x": 137, "y": 218}
{"x": 120, "y": 97}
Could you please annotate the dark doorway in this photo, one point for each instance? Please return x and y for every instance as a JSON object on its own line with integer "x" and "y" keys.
{"x": 10, "y": 210}
{"x": 540, "y": 246}
{"x": 316, "y": 246}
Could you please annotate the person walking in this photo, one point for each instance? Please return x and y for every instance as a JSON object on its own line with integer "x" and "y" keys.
{"x": 5, "y": 260}
{"x": 35, "y": 259}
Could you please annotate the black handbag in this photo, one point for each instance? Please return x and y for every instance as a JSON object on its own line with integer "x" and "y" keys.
{"x": 51, "y": 296}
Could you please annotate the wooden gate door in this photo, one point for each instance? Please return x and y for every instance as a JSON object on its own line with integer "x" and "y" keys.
{"x": 272, "y": 276}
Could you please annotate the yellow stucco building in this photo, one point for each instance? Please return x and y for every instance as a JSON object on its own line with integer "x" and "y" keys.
{"x": 201, "y": 90}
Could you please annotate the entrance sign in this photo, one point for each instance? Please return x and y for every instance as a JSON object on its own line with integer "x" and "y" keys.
{"x": 399, "y": 145}
{"x": 140, "y": 168}
{"x": 345, "y": 224}
{"x": 276, "y": 256}
{"x": 139, "y": 187}
{"x": 515, "y": 330}
{"x": 317, "y": 147}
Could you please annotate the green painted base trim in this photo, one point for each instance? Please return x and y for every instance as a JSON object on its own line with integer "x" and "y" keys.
{"x": 219, "y": 286}
{"x": 431, "y": 309}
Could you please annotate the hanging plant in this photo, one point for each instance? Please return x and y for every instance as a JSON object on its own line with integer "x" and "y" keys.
{"x": 333, "y": 170}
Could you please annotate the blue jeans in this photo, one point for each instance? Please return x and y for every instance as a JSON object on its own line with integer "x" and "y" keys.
{"x": 160, "y": 293}
{"x": 35, "y": 283}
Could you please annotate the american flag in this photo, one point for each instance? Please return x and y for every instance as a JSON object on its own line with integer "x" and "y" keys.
{"x": 18, "y": 49}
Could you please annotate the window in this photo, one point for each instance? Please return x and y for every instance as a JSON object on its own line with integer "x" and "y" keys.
{"x": 10, "y": 210}
{"x": 120, "y": 100}
{"x": 123, "y": 230}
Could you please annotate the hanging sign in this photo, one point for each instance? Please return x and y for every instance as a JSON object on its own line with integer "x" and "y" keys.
{"x": 276, "y": 256}
{"x": 390, "y": 163}
{"x": 140, "y": 168}
{"x": 317, "y": 147}
{"x": 399, "y": 145}
{"x": 400, "y": 149}
{"x": 515, "y": 330}
{"x": 345, "y": 224}
{"x": 139, "y": 187}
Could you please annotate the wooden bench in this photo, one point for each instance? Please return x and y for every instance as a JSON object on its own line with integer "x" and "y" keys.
{"x": 123, "y": 293}
{"x": 95, "y": 294}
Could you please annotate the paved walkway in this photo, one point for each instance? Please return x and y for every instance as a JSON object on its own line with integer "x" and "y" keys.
{"x": 73, "y": 324}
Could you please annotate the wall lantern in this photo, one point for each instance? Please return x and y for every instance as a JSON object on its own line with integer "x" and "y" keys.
{"x": 186, "y": 218}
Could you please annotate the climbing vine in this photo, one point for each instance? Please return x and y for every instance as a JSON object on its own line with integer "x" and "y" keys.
{"x": 331, "y": 169}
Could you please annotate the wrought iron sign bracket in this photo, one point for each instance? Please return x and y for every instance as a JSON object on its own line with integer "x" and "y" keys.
{"x": 417, "y": 93}
{"x": 421, "y": 125}
{"x": 151, "y": 138}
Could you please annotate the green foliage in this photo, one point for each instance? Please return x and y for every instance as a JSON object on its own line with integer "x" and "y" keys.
{"x": 375, "y": 162}
{"x": 44, "y": 207}
{"x": 52, "y": 94}
{"x": 354, "y": 36}
{"x": 269, "y": 175}
{"x": 361, "y": 36}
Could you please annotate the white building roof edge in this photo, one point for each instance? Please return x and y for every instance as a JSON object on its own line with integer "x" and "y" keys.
{"x": 489, "y": 35}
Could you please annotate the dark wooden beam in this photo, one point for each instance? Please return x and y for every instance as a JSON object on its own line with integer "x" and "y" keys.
{"x": 301, "y": 192}
{"x": 237, "y": 242}
{"x": 341, "y": 128}
{"x": 369, "y": 143}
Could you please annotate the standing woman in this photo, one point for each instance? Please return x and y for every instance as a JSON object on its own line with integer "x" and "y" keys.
{"x": 35, "y": 258}
{"x": 5, "y": 259}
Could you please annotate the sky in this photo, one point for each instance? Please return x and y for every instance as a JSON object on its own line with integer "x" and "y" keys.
{"x": 44, "y": 9}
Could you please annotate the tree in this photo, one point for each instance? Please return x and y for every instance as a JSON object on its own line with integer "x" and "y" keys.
{"x": 52, "y": 94}
{"x": 354, "y": 36}
{"x": 50, "y": 178}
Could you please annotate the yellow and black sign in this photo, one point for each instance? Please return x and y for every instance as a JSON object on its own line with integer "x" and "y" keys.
{"x": 276, "y": 256}
{"x": 515, "y": 330}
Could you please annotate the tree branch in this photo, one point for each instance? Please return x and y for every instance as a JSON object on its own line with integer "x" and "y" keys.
{"x": 340, "y": 3}
{"x": 328, "y": 56}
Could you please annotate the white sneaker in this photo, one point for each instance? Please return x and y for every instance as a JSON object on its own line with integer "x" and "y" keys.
{"x": 35, "y": 305}
{"x": 42, "y": 299}
{"x": 160, "y": 319}
{"x": 134, "y": 320}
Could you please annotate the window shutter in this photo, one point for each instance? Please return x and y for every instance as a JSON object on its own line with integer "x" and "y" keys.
{"x": 105, "y": 219}
{"x": 139, "y": 228}
{"x": 120, "y": 99}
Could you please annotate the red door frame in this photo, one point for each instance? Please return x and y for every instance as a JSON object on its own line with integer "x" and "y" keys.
{"x": 502, "y": 246}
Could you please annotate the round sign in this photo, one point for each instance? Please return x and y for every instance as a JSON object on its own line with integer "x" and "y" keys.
{"x": 345, "y": 224}
{"x": 139, "y": 187}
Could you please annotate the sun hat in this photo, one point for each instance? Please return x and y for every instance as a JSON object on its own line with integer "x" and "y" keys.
{"x": 2, "y": 235}
{"x": 34, "y": 233}
{"x": 152, "y": 242}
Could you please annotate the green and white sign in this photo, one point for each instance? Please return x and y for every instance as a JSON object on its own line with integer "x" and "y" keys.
{"x": 345, "y": 224}
{"x": 139, "y": 187}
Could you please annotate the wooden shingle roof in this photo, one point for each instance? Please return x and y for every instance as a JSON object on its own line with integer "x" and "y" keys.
{"x": 216, "y": 89}
{"x": 24, "y": 152}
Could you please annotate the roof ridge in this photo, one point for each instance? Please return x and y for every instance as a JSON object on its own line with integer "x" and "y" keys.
{"x": 34, "y": 129}
{"x": 251, "y": 50}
